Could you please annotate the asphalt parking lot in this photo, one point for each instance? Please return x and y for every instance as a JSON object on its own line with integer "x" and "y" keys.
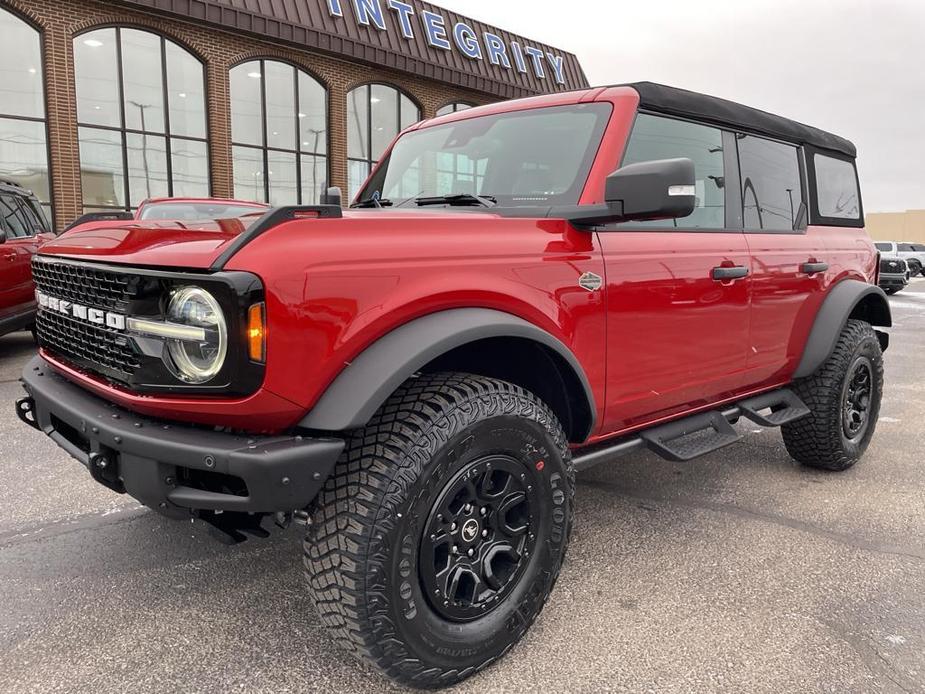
{"x": 737, "y": 572}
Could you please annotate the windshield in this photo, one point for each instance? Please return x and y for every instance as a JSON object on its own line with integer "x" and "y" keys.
{"x": 196, "y": 211}
{"x": 524, "y": 158}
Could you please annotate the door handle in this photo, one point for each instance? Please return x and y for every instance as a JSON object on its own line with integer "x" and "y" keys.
{"x": 734, "y": 272}
{"x": 813, "y": 268}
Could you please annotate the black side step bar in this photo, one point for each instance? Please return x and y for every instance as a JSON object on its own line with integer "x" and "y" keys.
{"x": 699, "y": 434}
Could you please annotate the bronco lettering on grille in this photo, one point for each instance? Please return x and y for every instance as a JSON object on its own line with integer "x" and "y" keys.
{"x": 70, "y": 308}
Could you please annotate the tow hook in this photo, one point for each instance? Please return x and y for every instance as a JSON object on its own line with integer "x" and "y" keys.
{"x": 25, "y": 410}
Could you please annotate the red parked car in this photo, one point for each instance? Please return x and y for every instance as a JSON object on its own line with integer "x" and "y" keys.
{"x": 173, "y": 210}
{"x": 520, "y": 291}
{"x": 23, "y": 228}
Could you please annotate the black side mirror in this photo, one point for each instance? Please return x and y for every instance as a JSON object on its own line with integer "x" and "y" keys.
{"x": 2, "y": 236}
{"x": 332, "y": 196}
{"x": 649, "y": 190}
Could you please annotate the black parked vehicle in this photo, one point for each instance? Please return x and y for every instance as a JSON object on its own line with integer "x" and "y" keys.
{"x": 894, "y": 274}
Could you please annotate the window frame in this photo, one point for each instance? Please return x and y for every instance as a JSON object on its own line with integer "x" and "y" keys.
{"x": 125, "y": 131}
{"x": 455, "y": 106}
{"x": 368, "y": 160}
{"x": 265, "y": 148}
{"x": 40, "y": 33}
{"x": 815, "y": 216}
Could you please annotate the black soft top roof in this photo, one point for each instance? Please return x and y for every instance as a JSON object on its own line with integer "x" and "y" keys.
{"x": 681, "y": 102}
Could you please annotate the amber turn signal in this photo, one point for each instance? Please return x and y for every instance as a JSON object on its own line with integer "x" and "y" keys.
{"x": 257, "y": 332}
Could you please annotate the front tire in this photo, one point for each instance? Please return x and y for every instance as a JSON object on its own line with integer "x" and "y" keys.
{"x": 843, "y": 396}
{"x": 440, "y": 535}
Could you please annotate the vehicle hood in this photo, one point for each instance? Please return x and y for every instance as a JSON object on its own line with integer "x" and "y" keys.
{"x": 155, "y": 243}
{"x": 199, "y": 244}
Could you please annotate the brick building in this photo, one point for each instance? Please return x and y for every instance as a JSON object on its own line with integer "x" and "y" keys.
{"x": 106, "y": 103}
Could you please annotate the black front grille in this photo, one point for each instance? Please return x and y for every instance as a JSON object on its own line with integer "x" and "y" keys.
{"x": 106, "y": 351}
{"x": 93, "y": 347}
{"x": 83, "y": 284}
{"x": 894, "y": 266}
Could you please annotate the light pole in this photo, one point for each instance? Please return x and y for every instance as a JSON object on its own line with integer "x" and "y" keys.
{"x": 144, "y": 146}
{"x": 317, "y": 134}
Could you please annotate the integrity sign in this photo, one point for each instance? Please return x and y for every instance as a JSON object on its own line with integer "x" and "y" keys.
{"x": 448, "y": 36}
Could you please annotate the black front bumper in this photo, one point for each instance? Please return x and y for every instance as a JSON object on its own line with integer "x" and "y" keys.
{"x": 174, "y": 468}
{"x": 889, "y": 281}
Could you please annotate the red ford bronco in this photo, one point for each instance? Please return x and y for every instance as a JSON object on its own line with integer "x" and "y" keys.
{"x": 520, "y": 291}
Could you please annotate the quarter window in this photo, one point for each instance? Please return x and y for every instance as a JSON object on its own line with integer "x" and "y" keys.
{"x": 279, "y": 133}
{"x": 772, "y": 191}
{"x": 376, "y": 113}
{"x": 656, "y": 137}
{"x": 141, "y": 118}
{"x": 836, "y": 188}
{"x": 23, "y": 141}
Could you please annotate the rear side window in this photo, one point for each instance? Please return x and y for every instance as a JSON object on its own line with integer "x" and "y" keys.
{"x": 14, "y": 221}
{"x": 906, "y": 248}
{"x": 656, "y": 137}
{"x": 772, "y": 189}
{"x": 34, "y": 218}
{"x": 837, "y": 192}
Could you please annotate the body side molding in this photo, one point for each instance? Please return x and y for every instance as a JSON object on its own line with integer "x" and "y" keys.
{"x": 844, "y": 299}
{"x": 362, "y": 387}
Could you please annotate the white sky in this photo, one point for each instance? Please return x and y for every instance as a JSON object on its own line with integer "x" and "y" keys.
{"x": 854, "y": 67}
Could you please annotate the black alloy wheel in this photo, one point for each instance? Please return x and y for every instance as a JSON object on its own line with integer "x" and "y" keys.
{"x": 856, "y": 398}
{"x": 478, "y": 537}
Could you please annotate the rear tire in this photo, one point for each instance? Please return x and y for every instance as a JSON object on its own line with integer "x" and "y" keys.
{"x": 414, "y": 559}
{"x": 843, "y": 396}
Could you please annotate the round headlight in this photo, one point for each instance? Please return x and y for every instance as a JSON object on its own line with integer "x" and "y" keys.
{"x": 197, "y": 361}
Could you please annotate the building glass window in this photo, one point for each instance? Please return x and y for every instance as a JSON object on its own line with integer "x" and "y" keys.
{"x": 23, "y": 134}
{"x": 279, "y": 133}
{"x": 141, "y": 117}
{"x": 376, "y": 113}
{"x": 453, "y": 108}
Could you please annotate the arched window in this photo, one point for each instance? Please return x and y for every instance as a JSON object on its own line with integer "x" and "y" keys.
{"x": 279, "y": 133}
{"x": 376, "y": 113}
{"x": 23, "y": 141}
{"x": 141, "y": 119}
{"x": 453, "y": 108}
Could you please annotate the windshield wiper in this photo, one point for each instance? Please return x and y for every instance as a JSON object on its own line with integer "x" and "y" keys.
{"x": 461, "y": 199}
{"x": 374, "y": 201}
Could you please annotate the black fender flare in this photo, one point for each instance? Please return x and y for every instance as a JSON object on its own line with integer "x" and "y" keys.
{"x": 846, "y": 299}
{"x": 355, "y": 395}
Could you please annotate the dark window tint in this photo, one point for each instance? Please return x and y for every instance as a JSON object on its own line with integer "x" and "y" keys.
{"x": 771, "y": 188}
{"x": 655, "y": 138}
{"x": 836, "y": 188}
{"x": 14, "y": 221}
{"x": 918, "y": 248}
{"x": 884, "y": 246}
{"x": 906, "y": 248}
{"x": 33, "y": 216}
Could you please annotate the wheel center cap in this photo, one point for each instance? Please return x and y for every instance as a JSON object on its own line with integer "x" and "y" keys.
{"x": 470, "y": 530}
